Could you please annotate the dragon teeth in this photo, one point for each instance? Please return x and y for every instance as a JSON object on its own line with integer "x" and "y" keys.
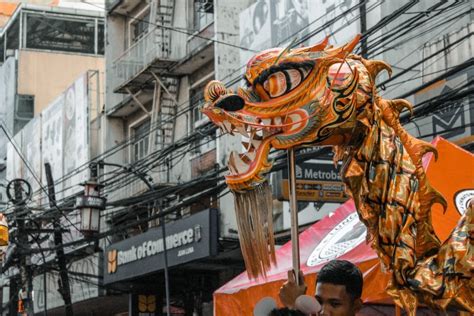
{"x": 266, "y": 121}
{"x": 277, "y": 120}
{"x": 251, "y": 155}
{"x": 227, "y": 126}
{"x": 232, "y": 169}
{"x": 236, "y": 163}
{"x": 246, "y": 145}
{"x": 255, "y": 143}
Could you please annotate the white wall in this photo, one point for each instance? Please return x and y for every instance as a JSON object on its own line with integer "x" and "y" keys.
{"x": 7, "y": 100}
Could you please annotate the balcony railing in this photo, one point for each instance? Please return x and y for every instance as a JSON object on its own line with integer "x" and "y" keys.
{"x": 195, "y": 43}
{"x": 154, "y": 48}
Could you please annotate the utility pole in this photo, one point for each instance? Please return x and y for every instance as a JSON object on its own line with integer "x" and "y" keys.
{"x": 26, "y": 283}
{"x": 64, "y": 288}
{"x": 363, "y": 28}
{"x": 13, "y": 306}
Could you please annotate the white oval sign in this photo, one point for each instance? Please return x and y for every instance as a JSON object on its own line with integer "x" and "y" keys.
{"x": 462, "y": 199}
{"x": 341, "y": 239}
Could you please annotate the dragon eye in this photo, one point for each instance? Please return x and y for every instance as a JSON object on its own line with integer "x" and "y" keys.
{"x": 275, "y": 85}
{"x": 282, "y": 81}
{"x": 295, "y": 77}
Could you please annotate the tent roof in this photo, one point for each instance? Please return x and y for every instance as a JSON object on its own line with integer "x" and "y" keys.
{"x": 341, "y": 235}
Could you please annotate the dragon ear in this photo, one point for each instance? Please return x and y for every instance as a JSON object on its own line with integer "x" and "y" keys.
{"x": 346, "y": 49}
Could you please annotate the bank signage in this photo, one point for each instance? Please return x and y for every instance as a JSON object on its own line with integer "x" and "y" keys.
{"x": 187, "y": 239}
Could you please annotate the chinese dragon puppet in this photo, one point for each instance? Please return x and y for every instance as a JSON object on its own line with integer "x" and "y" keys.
{"x": 325, "y": 96}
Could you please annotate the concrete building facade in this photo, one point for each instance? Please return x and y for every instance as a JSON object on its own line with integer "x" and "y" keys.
{"x": 160, "y": 55}
{"x": 51, "y": 95}
{"x": 161, "y": 163}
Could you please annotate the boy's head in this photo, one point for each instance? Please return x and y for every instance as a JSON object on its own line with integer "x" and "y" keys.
{"x": 339, "y": 288}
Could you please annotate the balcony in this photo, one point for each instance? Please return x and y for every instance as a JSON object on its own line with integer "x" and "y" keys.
{"x": 120, "y": 6}
{"x": 199, "y": 51}
{"x": 152, "y": 53}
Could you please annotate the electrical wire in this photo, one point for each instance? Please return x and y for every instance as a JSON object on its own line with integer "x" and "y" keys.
{"x": 183, "y": 156}
{"x": 130, "y": 138}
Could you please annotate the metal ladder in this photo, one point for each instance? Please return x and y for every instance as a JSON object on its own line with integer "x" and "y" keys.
{"x": 165, "y": 92}
{"x": 167, "y": 115}
{"x": 163, "y": 15}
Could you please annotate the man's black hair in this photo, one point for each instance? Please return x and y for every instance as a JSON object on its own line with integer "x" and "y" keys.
{"x": 343, "y": 272}
{"x": 285, "y": 312}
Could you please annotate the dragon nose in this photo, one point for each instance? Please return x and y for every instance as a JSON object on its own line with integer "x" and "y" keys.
{"x": 231, "y": 103}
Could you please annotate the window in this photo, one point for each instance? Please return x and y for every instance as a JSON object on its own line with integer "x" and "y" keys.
{"x": 196, "y": 100}
{"x": 24, "y": 112}
{"x": 101, "y": 39}
{"x": 203, "y": 13}
{"x": 139, "y": 25}
{"x": 141, "y": 134}
{"x": 2, "y": 49}
{"x": 64, "y": 33}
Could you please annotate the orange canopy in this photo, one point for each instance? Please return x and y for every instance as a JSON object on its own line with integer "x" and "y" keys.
{"x": 341, "y": 235}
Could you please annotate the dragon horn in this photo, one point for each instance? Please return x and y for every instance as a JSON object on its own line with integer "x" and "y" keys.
{"x": 320, "y": 46}
{"x": 346, "y": 49}
{"x": 375, "y": 67}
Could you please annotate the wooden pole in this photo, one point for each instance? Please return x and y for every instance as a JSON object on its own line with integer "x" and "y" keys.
{"x": 64, "y": 287}
{"x": 295, "y": 247}
{"x": 398, "y": 311}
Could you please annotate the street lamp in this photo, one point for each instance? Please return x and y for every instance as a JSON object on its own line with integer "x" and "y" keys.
{"x": 90, "y": 204}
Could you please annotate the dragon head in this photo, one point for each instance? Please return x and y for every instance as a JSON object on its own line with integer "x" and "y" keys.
{"x": 293, "y": 97}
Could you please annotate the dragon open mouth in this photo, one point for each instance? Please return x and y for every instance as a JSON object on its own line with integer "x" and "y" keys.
{"x": 247, "y": 168}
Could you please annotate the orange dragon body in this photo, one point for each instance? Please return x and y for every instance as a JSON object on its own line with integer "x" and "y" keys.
{"x": 319, "y": 96}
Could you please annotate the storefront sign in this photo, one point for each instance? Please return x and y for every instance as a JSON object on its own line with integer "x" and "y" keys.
{"x": 318, "y": 181}
{"x": 187, "y": 239}
{"x": 90, "y": 201}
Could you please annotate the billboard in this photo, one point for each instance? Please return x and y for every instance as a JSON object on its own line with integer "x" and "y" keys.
{"x": 335, "y": 19}
{"x": 267, "y": 24}
{"x": 7, "y": 100}
{"x": 58, "y": 136}
{"x": 453, "y": 119}
{"x": 31, "y": 142}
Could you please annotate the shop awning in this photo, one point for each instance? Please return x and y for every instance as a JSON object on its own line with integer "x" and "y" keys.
{"x": 341, "y": 235}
